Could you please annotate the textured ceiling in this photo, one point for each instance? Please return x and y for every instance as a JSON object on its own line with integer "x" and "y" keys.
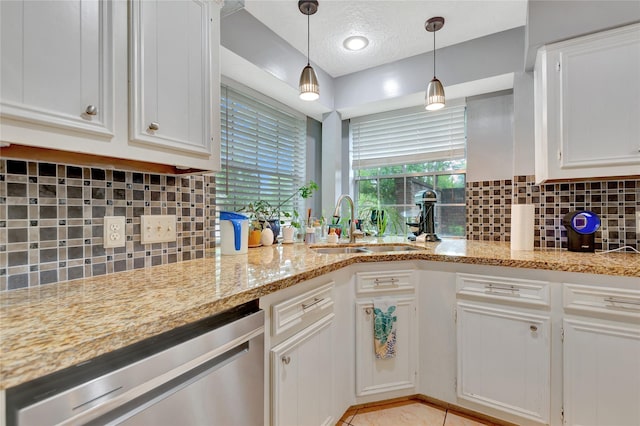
{"x": 395, "y": 28}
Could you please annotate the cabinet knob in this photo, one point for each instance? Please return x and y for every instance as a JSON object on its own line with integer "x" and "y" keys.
{"x": 91, "y": 110}
{"x": 154, "y": 126}
{"x": 286, "y": 360}
{"x": 533, "y": 328}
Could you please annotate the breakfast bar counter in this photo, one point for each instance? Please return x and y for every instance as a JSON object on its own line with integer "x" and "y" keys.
{"x": 50, "y": 327}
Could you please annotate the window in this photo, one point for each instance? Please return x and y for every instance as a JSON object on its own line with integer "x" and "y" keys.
{"x": 263, "y": 151}
{"x": 400, "y": 154}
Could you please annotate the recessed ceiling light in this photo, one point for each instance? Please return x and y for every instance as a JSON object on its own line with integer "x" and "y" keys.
{"x": 355, "y": 43}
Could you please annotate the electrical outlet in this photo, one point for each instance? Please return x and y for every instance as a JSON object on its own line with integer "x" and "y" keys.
{"x": 114, "y": 231}
{"x": 157, "y": 228}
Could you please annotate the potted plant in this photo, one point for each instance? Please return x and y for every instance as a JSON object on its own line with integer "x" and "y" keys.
{"x": 263, "y": 214}
{"x": 376, "y": 220}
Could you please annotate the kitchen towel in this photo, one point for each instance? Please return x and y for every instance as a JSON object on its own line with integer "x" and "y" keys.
{"x": 522, "y": 226}
{"x": 384, "y": 328}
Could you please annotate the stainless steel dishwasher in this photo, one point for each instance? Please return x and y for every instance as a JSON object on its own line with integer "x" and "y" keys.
{"x": 207, "y": 373}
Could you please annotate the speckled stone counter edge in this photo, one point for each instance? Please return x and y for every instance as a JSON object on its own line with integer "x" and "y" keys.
{"x": 23, "y": 360}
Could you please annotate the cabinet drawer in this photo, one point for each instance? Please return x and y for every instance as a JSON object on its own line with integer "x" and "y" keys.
{"x": 300, "y": 311}
{"x": 384, "y": 282}
{"x": 527, "y": 292}
{"x": 601, "y": 300}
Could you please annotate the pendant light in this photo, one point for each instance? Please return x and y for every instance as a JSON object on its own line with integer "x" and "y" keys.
{"x": 309, "y": 87}
{"x": 434, "y": 99}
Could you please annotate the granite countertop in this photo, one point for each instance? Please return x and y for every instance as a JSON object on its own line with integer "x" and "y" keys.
{"x": 50, "y": 327}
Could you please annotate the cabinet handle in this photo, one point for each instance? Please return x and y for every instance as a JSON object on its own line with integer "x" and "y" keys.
{"x": 154, "y": 126}
{"x": 383, "y": 281}
{"x": 315, "y": 302}
{"x": 613, "y": 302}
{"x": 91, "y": 110}
{"x": 533, "y": 328}
{"x": 500, "y": 290}
{"x": 286, "y": 360}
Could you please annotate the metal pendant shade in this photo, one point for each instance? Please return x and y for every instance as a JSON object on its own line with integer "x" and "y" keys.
{"x": 309, "y": 87}
{"x": 434, "y": 98}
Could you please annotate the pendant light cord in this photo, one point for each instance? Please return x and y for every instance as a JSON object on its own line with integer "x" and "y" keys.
{"x": 308, "y": 33}
{"x": 434, "y": 54}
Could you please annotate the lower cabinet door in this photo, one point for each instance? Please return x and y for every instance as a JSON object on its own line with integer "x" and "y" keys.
{"x": 302, "y": 377}
{"x": 601, "y": 373}
{"x": 504, "y": 360}
{"x": 382, "y": 375}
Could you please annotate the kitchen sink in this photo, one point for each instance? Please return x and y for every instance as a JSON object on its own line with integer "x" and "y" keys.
{"x": 364, "y": 249}
{"x": 339, "y": 250}
{"x": 390, "y": 247}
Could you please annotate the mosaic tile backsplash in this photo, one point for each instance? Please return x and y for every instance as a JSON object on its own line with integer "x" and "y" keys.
{"x": 615, "y": 201}
{"x": 51, "y": 220}
{"x": 51, "y": 217}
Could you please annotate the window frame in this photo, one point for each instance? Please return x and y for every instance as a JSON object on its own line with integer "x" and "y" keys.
{"x": 224, "y": 181}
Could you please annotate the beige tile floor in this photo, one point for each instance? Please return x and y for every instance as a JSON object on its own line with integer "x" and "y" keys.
{"x": 407, "y": 413}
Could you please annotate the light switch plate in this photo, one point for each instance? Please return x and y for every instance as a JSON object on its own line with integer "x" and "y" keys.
{"x": 157, "y": 228}
{"x": 114, "y": 234}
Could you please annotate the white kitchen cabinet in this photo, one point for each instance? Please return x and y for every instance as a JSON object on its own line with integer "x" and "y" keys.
{"x": 601, "y": 355}
{"x": 302, "y": 357}
{"x": 373, "y": 375}
{"x": 504, "y": 344}
{"x": 302, "y": 377}
{"x": 90, "y": 76}
{"x": 601, "y": 373}
{"x": 586, "y": 106}
{"x": 173, "y": 93}
{"x": 57, "y": 64}
{"x": 504, "y": 359}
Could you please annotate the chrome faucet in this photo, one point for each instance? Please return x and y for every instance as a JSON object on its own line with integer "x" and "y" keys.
{"x": 336, "y": 213}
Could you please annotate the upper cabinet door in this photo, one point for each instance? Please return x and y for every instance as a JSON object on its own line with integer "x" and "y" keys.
{"x": 57, "y": 64}
{"x": 171, "y": 74}
{"x": 587, "y": 108}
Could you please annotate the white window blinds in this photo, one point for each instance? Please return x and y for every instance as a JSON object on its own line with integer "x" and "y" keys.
{"x": 262, "y": 149}
{"x": 407, "y": 136}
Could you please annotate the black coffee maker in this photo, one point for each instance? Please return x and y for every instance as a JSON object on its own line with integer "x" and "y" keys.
{"x": 581, "y": 230}
{"x": 426, "y": 200}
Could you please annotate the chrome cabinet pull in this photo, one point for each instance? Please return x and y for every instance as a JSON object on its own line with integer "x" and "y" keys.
{"x": 286, "y": 360}
{"x": 154, "y": 126}
{"x": 502, "y": 290}
{"x": 613, "y": 302}
{"x": 315, "y": 302}
{"x": 383, "y": 281}
{"x": 533, "y": 328}
{"x": 91, "y": 110}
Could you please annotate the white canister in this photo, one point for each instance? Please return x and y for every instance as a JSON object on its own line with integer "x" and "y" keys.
{"x": 234, "y": 233}
{"x": 287, "y": 234}
{"x": 266, "y": 238}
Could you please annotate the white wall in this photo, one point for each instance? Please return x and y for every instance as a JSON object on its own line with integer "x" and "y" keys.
{"x": 477, "y": 59}
{"x": 490, "y": 137}
{"x": 523, "y": 124}
{"x": 249, "y": 38}
{"x": 549, "y": 21}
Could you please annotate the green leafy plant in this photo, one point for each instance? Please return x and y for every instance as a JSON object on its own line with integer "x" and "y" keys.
{"x": 261, "y": 212}
{"x": 305, "y": 191}
{"x": 377, "y": 220}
